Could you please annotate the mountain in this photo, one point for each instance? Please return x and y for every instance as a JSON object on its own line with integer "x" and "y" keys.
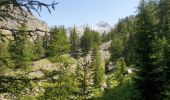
{"x": 100, "y": 27}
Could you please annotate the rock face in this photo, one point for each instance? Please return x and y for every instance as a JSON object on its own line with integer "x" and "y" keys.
{"x": 102, "y": 27}
{"x": 31, "y": 21}
{"x": 104, "y": 50}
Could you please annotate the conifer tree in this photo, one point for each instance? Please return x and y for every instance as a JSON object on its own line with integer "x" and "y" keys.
{"x": 121, "y": 70}
{"x": 148, "y": 80}
{"x": 79, "y": 79}
{"x": 58, "y": 43}
{"x": 74, "y": 42}
{"x": 45, "y": 44}
{"x": 89, "y": 39}
{"x": 38, "y": 49}
{"x": 98, "y": 68}
{"x": 63, "y": 84}
{"x": 116, "y": 48}
{"x": 19, "y": 49}
{"x": 86, "y": 41}
{"x": 3, "y": 55}
{"x": 164, "y": 19}
{"x": 164, "y": 33}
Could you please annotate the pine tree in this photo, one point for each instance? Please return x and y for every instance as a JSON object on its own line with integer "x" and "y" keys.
{"x": 86, "y": 41}
{"x": 164, "y": 33}
{"x": 58, "y": 43}
{"x": 79, "y": 79}
{"x": 62, "y": 81}
{"x": 74, "y": 42}
{"x": 121, "y": 70}
{"x": 98, "y": 71}
{"x": 148, "y": 80}
{"x": 3, "y": 57}
{"x": 38, "y": 50}
{"x": 164, "y": 19}
{"x": 97, "y": 65}
{"x": 63, "y": 85}
{"x": 89, "y": 39}
{"x": 19, "y": 49}
{"x": 45, "y": 44}
{"x": 116, "y": 48}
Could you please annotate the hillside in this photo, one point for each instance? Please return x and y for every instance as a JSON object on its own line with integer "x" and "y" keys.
{"x": 31, "y": 22}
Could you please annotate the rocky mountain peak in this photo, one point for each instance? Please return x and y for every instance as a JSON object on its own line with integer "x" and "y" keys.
{"x": 103, "y": 24}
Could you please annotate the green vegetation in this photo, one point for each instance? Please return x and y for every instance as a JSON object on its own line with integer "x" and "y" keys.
{"x": 55, "y": 66}
{"x": 89, "y": 39}
{"x": 74, "y": 39}
{"x": 19, "y": 49}
{"x": 58, "y": 42}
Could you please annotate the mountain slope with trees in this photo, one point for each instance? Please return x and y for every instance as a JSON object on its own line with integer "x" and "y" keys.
{"x": 130, "y": 62}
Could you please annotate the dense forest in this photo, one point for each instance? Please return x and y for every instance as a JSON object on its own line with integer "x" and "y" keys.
{"x": 55, "y": 66}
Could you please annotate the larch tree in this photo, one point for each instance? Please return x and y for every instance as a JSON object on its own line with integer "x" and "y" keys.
{"x": 74, "y": 39}
{"x": 58, "y": 43}
{"x": 149, "y": 79}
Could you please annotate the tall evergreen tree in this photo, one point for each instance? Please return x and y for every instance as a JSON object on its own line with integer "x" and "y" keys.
{"x": 63, "y": 84}
{"x": 164, "y": 30}
{"x": 164, "y": 19}
{"x": 74, "y": 42}
{"x": 98, "y": 67}
{"x": 148, "y": 80}
{"x": 19, "y": 49}
{"x": 79, "y": 79}
{"x": 89, "y": 39}
{"x": 3, "y": 56}
{"x": 116, "y": 48}
{"x": 38, "y": 50}
{"x": 86, "y": 41}
{"x": 58, "y": 43}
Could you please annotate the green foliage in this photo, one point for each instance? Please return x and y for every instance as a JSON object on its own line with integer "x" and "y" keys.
{"x": 63, "y": 81}
{"x": 3, "y": 57}
{"x": 122, "y": 36}
{"x": 116, "y": 48}
{"x": 121, "y": 70}
{"x": 150, "y": 74}
{"x": 79, "y": 82}
{"x": 38, "y": 50}
{"x": 142, "y": 40}
{"x": 125, "y": 91}
{"x": 98, "y": 67}
{"x": 19, "y": 49}
{"x": 74, "y": 39}
{"x": 164, "y": 20}
{"x": 164, "y": 33}
{"x": 27, "y": 98}
{"x": 58, "y": 43}
{"x": 89, "y": 39}
{"x": 86, "y": 41}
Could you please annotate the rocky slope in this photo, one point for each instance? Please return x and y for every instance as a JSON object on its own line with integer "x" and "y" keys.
{"x": 31, "y": 21}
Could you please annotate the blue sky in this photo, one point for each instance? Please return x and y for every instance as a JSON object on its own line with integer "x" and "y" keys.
{"x": 79, "y": 12}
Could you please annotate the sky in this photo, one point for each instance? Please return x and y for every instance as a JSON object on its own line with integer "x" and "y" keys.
{"x": 79, "y": 12}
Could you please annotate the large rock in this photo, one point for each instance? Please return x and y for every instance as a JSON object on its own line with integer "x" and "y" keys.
{"x": 36, "y": 74}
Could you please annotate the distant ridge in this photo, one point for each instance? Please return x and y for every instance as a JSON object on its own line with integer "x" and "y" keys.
{"x": 100, "y": 27}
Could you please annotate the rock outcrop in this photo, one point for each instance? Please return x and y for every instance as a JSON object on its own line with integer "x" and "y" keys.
{"x": 31, "y": 22}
